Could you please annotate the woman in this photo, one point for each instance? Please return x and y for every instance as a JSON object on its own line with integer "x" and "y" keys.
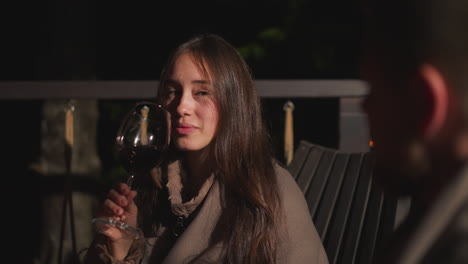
{"x": 222, "y": 198}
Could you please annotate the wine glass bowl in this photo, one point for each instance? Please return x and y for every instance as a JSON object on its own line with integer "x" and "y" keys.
{"x": 142, "y": 138}
{"x": 141, "y": 141}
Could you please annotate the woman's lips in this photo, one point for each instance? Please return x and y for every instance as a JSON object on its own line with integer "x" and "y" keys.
{"x": 185, "y": 129}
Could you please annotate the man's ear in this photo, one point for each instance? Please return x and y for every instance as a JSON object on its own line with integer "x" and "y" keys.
{"x": 437, "y": 93}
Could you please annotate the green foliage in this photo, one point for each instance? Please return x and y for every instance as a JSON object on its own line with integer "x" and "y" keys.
{"x": 314, "y": 39}
{"x": 273, "y": 34}
{"x": 258, "y": 48}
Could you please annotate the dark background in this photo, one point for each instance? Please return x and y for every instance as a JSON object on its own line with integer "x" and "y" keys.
{"x": 112, "y": 40}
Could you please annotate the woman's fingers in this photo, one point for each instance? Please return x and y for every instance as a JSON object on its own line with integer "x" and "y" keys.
{"x": 119, "y": 206}
{"x": 112, "y": 208}
{"x": 123, "y": 188}
{"x": 131, "y": 209}
{"x": 118, "y": 198}
{"x": 130, "y": 196}
{"x": 116, "y": 203}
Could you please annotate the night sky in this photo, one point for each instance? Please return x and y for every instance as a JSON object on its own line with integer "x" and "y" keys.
{"x": 47, "y": 40}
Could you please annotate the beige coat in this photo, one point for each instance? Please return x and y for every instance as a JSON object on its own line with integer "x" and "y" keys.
{"x": 300, "y": 242}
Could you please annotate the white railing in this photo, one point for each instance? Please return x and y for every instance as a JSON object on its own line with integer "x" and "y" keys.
{"x": 353, "y": 127}
{"x": 147, "y": 89}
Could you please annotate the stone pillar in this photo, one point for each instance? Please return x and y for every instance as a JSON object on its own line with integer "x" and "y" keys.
{"x": 85, "y": 167}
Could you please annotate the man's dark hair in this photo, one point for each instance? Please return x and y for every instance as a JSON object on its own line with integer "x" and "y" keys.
{"x": 406, "y": 33}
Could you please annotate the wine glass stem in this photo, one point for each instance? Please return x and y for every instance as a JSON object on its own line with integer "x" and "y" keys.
{"x": 130, "y": 181}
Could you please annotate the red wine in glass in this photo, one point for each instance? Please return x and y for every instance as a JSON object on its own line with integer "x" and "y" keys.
{"x": 139, "y": 159}
{"x": 141, "y": 141}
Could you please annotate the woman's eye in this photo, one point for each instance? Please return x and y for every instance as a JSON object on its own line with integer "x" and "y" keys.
{"x": 202, "y": 93}
{"x": 171, "y": 92}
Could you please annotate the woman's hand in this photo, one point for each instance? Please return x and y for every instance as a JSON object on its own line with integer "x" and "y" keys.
{"x": 120, "y": 205}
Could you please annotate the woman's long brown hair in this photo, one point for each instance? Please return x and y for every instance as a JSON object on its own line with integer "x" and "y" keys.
{"x": 240, "y": 154}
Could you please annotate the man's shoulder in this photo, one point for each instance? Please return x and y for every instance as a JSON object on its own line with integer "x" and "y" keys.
{"x": 447, "y": 221}
{"x": 452, "y": 244}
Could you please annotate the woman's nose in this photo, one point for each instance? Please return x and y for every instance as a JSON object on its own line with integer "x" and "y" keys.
{"x": 185, "y": 106}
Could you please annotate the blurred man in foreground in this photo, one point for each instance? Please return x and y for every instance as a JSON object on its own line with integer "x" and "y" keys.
{"x": 416, "y": 62}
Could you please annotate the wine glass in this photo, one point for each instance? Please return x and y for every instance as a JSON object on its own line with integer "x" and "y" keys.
{"x": 141, "y": 141}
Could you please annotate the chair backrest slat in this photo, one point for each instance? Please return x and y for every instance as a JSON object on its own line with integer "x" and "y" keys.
{"x": 352, "y": 216}
{"x": 387, "y": 220}
{"x": 320, "y": 178}
{"x": 332, "y": 190}
{"x": 311, "y": 163}
{"x": 333, "y": 240}
{"x": 371, "y": 230}
{"x": 358, "y": 211}
{"x": 298, "y": 162}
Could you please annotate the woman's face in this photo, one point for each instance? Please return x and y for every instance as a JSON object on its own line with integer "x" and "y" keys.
{"x": 191, "y": 104}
